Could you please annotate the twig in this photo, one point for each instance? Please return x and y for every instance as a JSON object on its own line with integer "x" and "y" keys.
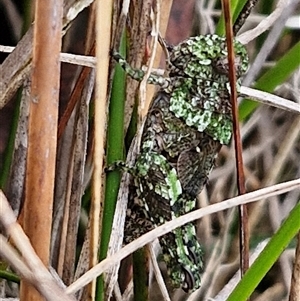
{"x": 243, "y": 212}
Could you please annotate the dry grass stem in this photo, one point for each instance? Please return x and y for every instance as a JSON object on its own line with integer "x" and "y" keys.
{"x": 29, "y": 265}
{"x": 103, "y": 44}
{"x": 269, "y": 136}
{"x": 42, "y": 133}
{"x": 264, "y": 25}
{"x": 270, "y": 99}
{"x": 225, "y": 292}
{"x": 159, "y": 278}
{"x": 17, "y": 66}
{"x": 76, "y": 59}
{"x": 171, "y": 225}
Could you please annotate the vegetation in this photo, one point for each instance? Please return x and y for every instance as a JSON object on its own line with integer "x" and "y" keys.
{"x": 54, "y": 147}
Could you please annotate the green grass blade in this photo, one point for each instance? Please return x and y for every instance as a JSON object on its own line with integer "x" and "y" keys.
{"x": 9, "y": 276}
{"x": 264, "y": 262}
{"x": 141, "y": 274}
{"x": 236, "y": 7}
{"x": 8, "y": 154}
{"x": 115, "y": 152}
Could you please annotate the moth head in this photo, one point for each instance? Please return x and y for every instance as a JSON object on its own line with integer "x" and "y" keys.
{"x": 197, "y": 56}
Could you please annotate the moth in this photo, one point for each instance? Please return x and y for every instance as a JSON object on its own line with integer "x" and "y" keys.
{"x": 188, "y": 121}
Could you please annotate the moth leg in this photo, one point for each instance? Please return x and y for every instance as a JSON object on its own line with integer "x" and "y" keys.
{"x": 121, "y": 166}
{"x": 138, "y": 74}
{"x": 166, "y": 47}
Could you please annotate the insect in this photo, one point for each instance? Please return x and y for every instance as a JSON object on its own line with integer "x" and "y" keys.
{"x": 188, "y": 121}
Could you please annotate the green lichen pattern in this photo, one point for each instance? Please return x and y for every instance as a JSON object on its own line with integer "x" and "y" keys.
{"x": 200, "y": 92}
{"x": 188, "y": 121}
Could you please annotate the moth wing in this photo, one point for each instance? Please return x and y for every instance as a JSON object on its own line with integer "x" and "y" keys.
{"x": 159, "y": 187}
{"x": 193, "y": 167}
